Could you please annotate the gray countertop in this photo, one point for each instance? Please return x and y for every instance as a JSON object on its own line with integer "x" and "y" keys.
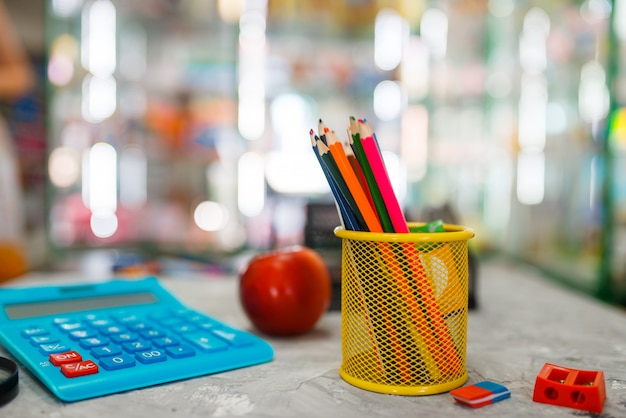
{"x": 522, "y": 322}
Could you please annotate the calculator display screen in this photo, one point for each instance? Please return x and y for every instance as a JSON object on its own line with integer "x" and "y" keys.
{"x": 52, "y": 307}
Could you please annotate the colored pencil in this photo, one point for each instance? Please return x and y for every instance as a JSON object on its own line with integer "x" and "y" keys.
{"x": 369, "y": 127}
{"x": 379, "y": 204}
{"x": 321, "y": 131}
{"x": 340, "y": 158}
{"x": 394, "y": 324}
{"x": 396, "y": 297}
{"x": 356, "y": 167}
{"x": 374, "y": 327}
{"x": 345, "y": 213}
{"x": 333, "y": 170}
{"x": 376, "y": 209}
{"x": 384, "y": 362}
{"x": 427, "y": 315}
{"x": 379, "y": 171}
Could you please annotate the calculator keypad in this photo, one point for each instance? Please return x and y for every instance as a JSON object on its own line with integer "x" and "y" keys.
{"x": 85, "y": 340}
{"x": 94, "y": 343}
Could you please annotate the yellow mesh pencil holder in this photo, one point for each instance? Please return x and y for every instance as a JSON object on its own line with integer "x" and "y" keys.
{"x": 404, "y": 310}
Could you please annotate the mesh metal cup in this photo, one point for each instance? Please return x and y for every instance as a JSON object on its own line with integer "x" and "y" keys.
{"x": 404, "y": 310}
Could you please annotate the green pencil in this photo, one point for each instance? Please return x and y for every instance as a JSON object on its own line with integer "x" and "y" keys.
{"x": 377, "y": 197}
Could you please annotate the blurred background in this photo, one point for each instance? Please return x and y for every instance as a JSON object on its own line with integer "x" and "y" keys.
{"x": 181, "y": 127}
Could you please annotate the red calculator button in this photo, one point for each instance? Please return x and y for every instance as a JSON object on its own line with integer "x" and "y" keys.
{"x": 65, "y": 358}
{"x": 82, "y": 368}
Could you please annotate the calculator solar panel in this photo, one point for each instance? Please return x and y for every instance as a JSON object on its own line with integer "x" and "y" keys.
{"x": 84, "y": 341}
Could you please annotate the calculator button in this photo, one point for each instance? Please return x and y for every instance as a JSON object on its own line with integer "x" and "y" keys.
{"x": 44, "y": 339}
{"x": 126, "y": 318}
{"x": 170, "y": 321}
{"x": 93, "y": 317}
{"x": 113, "y": 329}
{"x": 82, "y": 368}
{"x": 152, "y": 356}
{"x": 207, "y": 324}
{"x": 106, "y": 351}
{"x": 180, "y": 351}
{"x": 117, "y": 362}
{"x": 139, "y": 326}
{"x": 182, "y": 312}
{"x": 183, "y": 328}
{"x": 94, "y": 342}
{"x": 125, "y": 337}
{"x": 152, "y": 333}
{"x": 165, "y": 342}
{"x": 47, "y": 349}
{"x": 202, "y": 321}
{"x": 62, "y": 320}
{"x": 194, "y": 317}
{"x": 33, "y": 331}
{"x": 79, "y": 334}
{"x": 64, "y": 358}
{"x": 70, "y": 326}
{"x": 101, "y": 323}
{"x": 159, "y": 315}
{"x": 134, "y": 346}
{"x": 206, "y": 342}
{"x": 235, "y": 339}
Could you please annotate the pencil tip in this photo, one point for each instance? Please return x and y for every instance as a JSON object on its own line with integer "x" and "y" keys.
{"x": 331, "y": 137}
{"x": 311, "y": 132}
{"x": 321, "y": 147}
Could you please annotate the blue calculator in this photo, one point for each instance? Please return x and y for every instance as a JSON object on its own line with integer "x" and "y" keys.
{"x": 89, "y": 340}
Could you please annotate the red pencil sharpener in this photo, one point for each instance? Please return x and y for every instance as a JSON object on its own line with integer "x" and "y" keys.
{"x": 572, "y": 388}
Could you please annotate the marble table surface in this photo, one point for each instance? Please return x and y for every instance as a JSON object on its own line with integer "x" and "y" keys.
{"x": 523, "y": 321}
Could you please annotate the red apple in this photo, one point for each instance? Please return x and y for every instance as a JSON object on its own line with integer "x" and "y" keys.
{"x": 286, "y": 291}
